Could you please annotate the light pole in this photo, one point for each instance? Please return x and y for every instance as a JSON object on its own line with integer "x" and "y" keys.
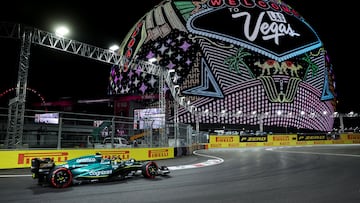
{"x": 261, "y": 122}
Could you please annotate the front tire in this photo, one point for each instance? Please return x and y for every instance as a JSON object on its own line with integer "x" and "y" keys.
{"x": 61, "y": 178}
{"x": 150, "y": 169}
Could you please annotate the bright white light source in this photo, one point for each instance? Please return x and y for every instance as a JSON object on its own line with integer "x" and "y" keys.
{"x": 61, "y": 31}
{"x": 152, "y": 60}
{"x": 114, "y": 47}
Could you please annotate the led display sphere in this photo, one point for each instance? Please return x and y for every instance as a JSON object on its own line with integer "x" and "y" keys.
{"x": 238, "y": 62}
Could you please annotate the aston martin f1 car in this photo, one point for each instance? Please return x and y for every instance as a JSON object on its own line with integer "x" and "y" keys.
{"x": 91, "y": 168}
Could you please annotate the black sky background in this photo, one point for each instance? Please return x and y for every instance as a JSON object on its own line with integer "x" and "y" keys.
{"x": 57, "y": 74}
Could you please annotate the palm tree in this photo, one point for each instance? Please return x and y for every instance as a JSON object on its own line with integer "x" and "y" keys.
{"x": 234, "y": 61}
{"x": 314, "y": 68}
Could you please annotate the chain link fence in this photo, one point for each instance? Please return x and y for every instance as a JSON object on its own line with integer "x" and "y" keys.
{"x": 59, "y": 130}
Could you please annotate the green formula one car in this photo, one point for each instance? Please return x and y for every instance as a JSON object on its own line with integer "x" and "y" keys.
{"x": 91, "y": 168}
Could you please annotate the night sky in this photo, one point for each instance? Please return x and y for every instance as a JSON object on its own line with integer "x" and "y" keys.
{"x": 56, "y": 74}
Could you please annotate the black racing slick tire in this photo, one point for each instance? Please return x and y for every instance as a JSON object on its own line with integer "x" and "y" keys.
{"x": 150, "y": 169}
{"x": 61, "y": 178}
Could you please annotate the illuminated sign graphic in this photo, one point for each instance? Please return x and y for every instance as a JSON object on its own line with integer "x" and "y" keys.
{"x": 274, "y": 34}
{"x": 240, "y": 55}
{"x": 151, "y": 118}
{"x": 52, "y": 118}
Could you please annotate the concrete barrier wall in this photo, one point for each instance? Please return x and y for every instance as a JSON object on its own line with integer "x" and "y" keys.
{"x": 233, "y": 141}
{"x": 22, "y": 158}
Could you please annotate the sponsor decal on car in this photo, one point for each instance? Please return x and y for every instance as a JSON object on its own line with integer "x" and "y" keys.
{"x": 100, "y": 173}
{"x": 86, "y": 160}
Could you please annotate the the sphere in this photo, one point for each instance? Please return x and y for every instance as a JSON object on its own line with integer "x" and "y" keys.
{"x": 239, "y": 62}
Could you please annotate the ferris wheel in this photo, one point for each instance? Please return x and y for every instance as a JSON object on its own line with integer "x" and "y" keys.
{"x": 6, "y": 93}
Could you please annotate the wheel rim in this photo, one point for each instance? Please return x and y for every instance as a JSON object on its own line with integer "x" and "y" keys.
{"x": 151, "y": 170}
{"x": 61, "y": 178}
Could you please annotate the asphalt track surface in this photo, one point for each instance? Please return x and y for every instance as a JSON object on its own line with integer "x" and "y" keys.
{"x": 327, "y": 173}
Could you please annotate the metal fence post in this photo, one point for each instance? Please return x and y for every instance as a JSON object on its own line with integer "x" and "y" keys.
{"x": 59, "y": 133}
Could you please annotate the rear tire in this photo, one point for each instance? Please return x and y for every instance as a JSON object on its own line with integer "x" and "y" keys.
{"x": 150, "y": 169}
{"x": 61, "y": 178}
